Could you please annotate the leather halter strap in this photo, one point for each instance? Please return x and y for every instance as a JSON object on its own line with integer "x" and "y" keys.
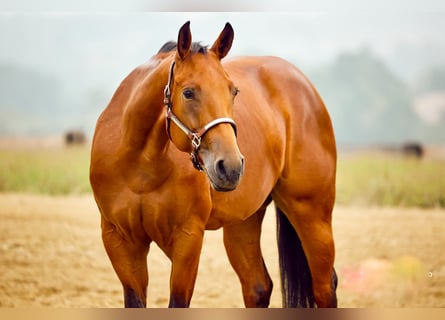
{"x": 194, "y": 136}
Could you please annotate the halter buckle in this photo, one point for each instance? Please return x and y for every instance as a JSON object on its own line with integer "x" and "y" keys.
{"x": 196, "y": 141}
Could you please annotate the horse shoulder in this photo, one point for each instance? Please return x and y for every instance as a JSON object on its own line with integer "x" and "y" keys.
{"x": 109, "y": 167}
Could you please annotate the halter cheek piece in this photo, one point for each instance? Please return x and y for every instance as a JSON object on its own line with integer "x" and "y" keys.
{"x": 194, "y": 135}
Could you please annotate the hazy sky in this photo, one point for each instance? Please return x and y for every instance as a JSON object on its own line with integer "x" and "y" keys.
{"x": 227, "y": 5}
{"x": 106, "y": 38}
{"x": 92, "y": 45}
{"x": 104, "y": 45}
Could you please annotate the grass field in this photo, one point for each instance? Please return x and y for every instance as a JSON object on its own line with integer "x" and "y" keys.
{"x": 53, "y": 171}
{"x": 362, "y": 179}
{"x": 390, "y": 180}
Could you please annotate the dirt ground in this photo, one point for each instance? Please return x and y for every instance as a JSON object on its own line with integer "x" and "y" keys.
{"x": 51, "y": 255}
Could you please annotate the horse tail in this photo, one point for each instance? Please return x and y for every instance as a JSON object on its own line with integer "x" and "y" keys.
{"x": 296, "y": 280}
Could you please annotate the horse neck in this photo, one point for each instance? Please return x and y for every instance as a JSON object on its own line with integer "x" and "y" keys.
{"x": 144, "y": 118}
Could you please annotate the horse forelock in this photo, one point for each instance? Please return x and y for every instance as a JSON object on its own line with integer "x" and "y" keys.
{"x": 197, "y": 47}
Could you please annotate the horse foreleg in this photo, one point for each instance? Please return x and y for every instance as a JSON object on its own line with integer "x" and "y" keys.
{"x": 242, "y": 243}
{"x": 185, "y": 254}
{"x": 129, "y": 260}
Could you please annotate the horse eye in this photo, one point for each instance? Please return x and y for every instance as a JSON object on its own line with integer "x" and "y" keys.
{"x": 188, "y": 93}
{"x": 235, "y": 91}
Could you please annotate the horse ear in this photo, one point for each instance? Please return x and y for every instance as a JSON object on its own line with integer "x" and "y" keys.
{"x": 184, "y": 40}
{"x": 223, "y": 44}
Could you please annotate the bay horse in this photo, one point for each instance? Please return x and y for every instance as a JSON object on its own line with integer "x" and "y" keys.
{"x": 256, "y": 131}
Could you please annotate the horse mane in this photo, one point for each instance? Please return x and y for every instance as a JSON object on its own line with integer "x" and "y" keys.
{"x": 197, "y": 47}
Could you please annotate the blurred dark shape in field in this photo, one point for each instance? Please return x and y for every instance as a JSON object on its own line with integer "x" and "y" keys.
{"x": 75, "y": 137}
{"x": 413, "y": 149}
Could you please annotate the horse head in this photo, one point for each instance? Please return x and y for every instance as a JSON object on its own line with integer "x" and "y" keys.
{"x": 199, "y": 97}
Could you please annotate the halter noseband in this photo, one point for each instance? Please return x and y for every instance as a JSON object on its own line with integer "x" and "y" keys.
{"x": 194, "y": 136}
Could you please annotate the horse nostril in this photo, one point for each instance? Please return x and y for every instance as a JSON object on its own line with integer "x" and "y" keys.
{"x": 221, "y": 169}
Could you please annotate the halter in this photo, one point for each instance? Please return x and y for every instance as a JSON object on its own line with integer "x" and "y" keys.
{"x": 194, "y": 136}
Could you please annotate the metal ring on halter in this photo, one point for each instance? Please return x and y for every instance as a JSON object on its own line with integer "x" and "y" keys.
{"x": 196, "y": 141}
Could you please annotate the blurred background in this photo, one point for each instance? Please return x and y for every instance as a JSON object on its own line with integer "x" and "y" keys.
{"x": 379, "y": 66}
{"x": 381, "y": 73}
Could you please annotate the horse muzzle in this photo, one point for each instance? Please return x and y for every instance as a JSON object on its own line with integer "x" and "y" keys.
{"x": 225, "y": 173}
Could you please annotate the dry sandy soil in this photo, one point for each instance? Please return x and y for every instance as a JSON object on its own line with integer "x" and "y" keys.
{"x": 51, "y": 255}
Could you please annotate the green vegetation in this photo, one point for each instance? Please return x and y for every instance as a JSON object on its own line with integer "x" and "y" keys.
{"x": 384, "y": 180}
{"x": 362, "y": 179}
{"x": 58, "y": 171}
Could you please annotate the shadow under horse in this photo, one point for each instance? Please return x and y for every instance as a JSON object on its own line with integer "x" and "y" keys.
{"x": 256, "y": 131}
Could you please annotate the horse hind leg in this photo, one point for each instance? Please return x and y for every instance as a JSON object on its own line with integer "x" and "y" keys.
{"x": 311, "y": 221}
{"x": 296, "y": 281}
{"x": 129, "y": 261}
{"x": 242, "y": 243}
